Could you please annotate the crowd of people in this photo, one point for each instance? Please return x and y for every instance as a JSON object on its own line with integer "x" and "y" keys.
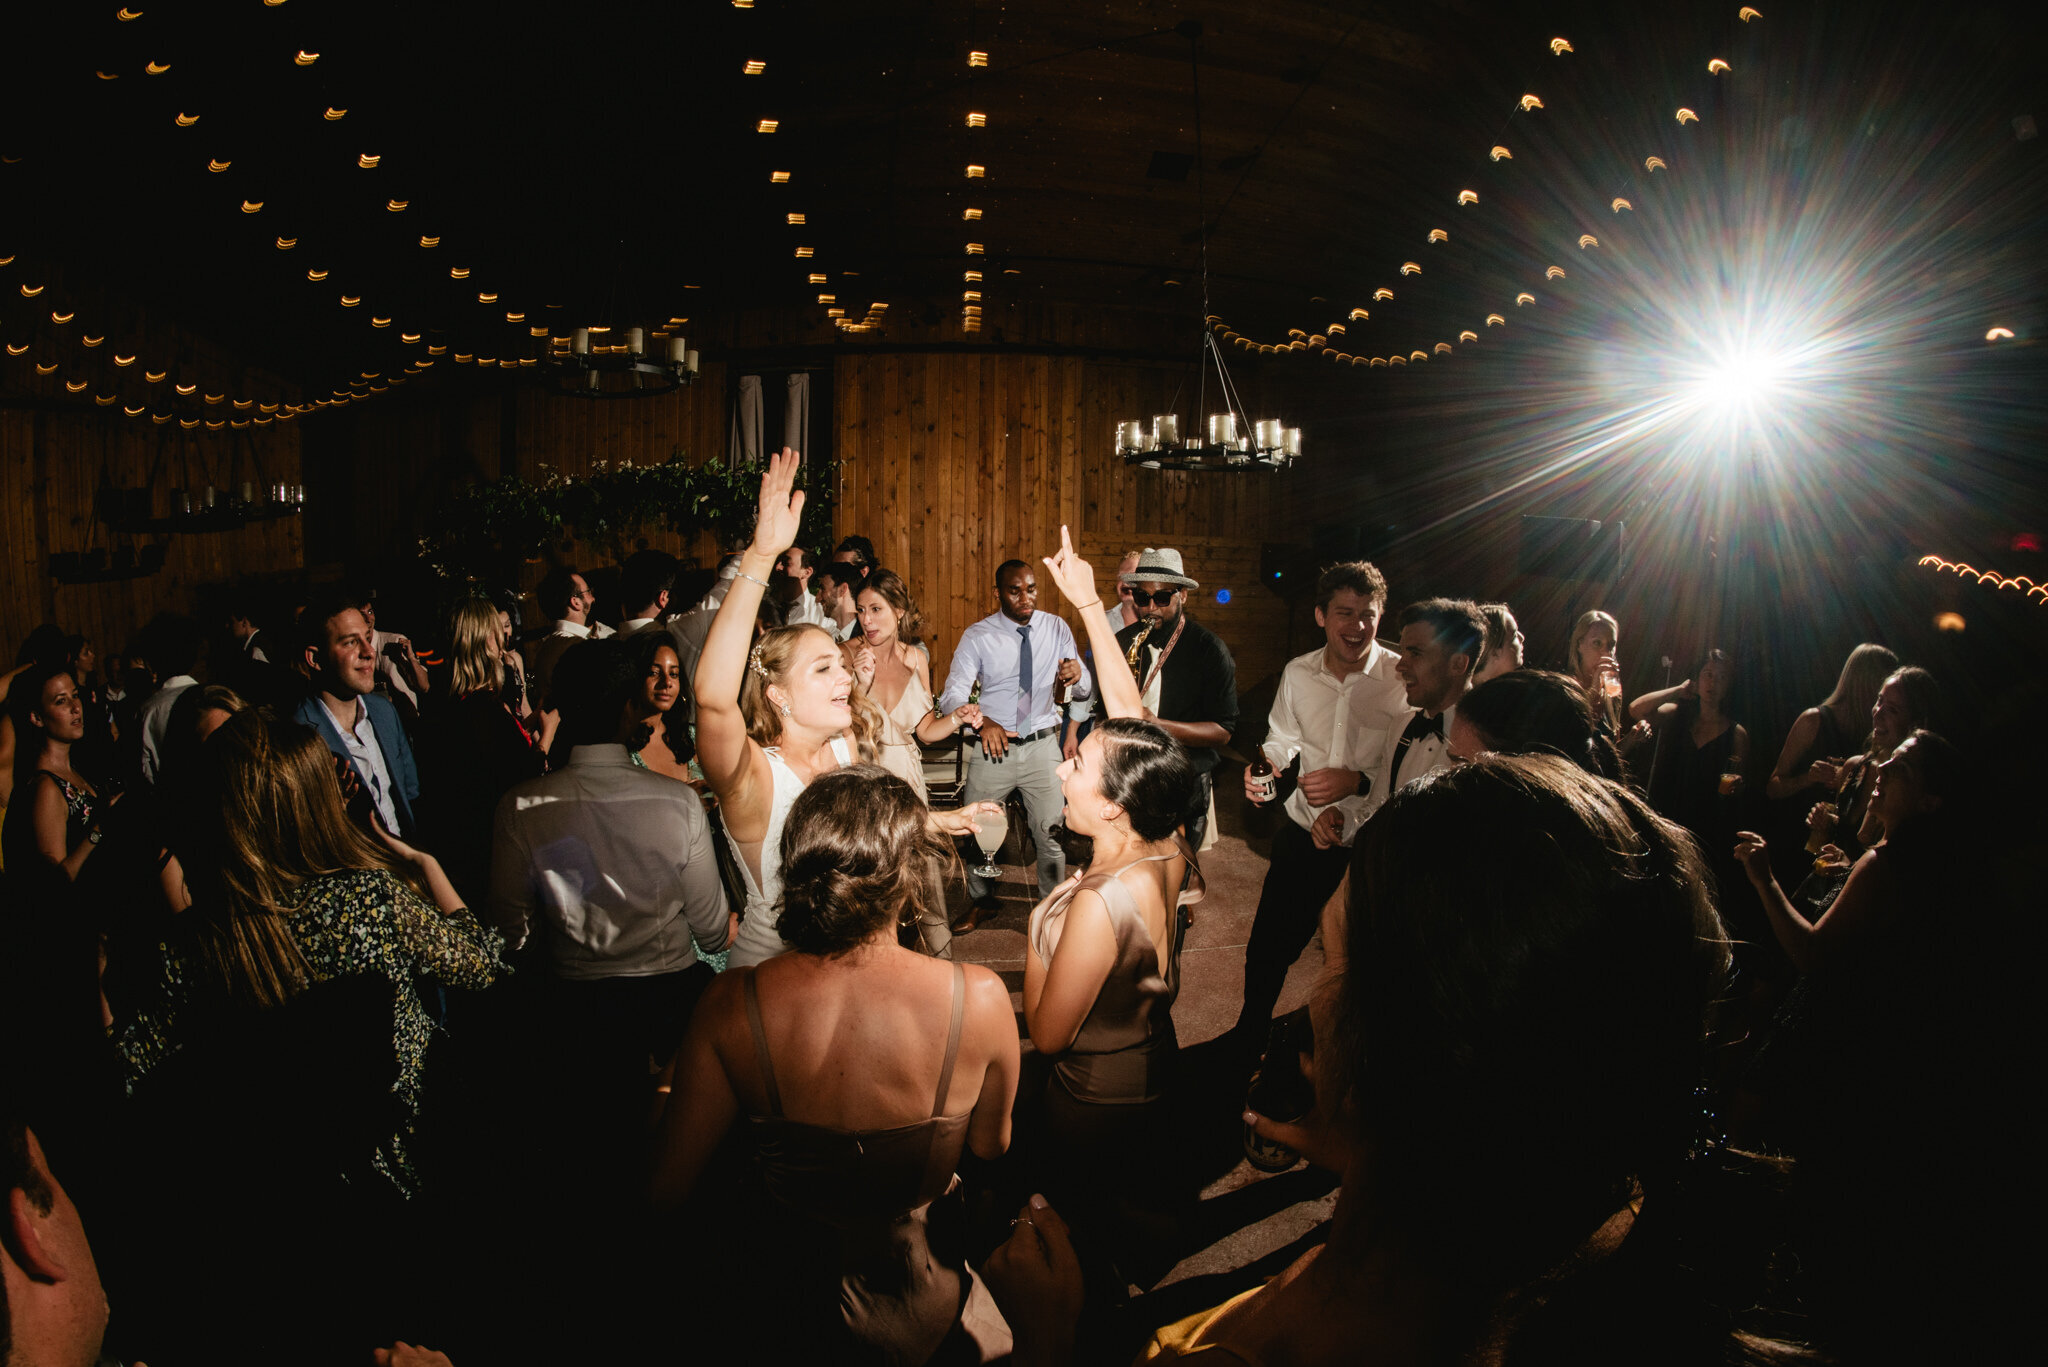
{"x": 594, "y": 994}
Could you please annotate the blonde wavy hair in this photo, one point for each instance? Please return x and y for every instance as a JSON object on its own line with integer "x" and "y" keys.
{"x": 472, "y": 631}
{"x": 769, "y": 664}
{"x": 1584, "y": 628}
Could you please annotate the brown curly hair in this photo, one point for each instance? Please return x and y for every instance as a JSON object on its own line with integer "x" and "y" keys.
{"x": 896, "y": 594}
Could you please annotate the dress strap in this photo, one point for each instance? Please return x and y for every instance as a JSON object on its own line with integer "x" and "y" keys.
{"x": 952, "y": 1039}
{"x": 761, "y": 1047}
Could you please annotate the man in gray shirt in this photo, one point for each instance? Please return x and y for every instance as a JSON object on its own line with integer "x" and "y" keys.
{"x": 615, "y": 865}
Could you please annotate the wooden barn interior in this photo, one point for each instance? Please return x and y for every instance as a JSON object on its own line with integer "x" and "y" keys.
{"x": 1730, "y": 321}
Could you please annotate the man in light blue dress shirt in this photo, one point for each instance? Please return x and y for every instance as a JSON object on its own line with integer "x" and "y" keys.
{"x": 1023, "y": 657}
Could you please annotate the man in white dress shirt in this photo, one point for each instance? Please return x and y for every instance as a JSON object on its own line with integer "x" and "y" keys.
{"x": 565, "y": 597}
{"x": 646, "y": 580}
{"x": 839, "y": 585}
{"x": 1331, "y": 720}
{"x": 173, "y": 645}
{"x": 1022, "y": 657}
{"x": 793, "y": 588}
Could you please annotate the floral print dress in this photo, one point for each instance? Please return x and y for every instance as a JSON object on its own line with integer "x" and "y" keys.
{"x": 360, "y": 921}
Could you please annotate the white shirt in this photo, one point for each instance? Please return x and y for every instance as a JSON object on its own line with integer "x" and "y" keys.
{"x": 368, "y": 757}
{"x": 1334, "y": 723}
{"x": 805, "y": 611}
{"x": 991, "y": 649}
{"x": 617, "y": 861}
{"x": 1423, "y": 757}
{"x": 156, "y": 720}
{"x": 581, "y": 632}
{"x": 710, "y": 601}
{"x": 633, "y": 626}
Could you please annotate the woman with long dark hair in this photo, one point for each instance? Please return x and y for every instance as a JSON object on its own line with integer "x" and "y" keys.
{"x": 53, "y": 817}
{"x": 862, "y": 1070}
{"x": 1102, "y": 964}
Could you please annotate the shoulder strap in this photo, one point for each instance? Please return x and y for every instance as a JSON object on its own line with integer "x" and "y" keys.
{"x": 952, "y": 1038}
{"x": 761, "y": 1047}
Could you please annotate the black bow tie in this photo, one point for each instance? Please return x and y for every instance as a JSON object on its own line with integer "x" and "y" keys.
{"x": 1421, "y": 725}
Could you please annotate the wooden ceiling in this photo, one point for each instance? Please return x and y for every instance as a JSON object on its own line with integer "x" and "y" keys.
{"x": 583, "y": 164}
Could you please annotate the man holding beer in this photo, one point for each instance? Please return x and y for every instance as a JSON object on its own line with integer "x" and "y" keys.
{"x": 1337, "y": 708}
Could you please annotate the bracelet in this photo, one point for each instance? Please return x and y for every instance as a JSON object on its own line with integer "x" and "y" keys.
{"x": 1083, "y": 607}
{"x": 744, "y": 575}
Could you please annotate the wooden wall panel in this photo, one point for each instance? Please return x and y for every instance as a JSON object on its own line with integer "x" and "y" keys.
{"x": 954, "y": 462}
{"x": 52, "y": 462}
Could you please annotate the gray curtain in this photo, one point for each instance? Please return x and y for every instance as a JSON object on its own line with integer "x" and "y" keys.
{"x": 796, "y": 414}
{"x": 746, "y": 421}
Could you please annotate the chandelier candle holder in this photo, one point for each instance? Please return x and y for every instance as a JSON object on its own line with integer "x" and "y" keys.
{"x": 624, "y": 371}
{"x": 1229, "y": 440}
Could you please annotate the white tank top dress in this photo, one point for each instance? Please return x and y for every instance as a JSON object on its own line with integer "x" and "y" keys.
{"x": 758, "y": 939}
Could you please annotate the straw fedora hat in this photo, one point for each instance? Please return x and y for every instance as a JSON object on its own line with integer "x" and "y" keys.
{"x": 1161, "y": 566}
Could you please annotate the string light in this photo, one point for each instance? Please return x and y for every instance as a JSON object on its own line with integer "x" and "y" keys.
{"x": 369, "y": 161}
{"x": 767, "y": 126}
{"x": 157, "y": 68}
{"x": 305, "y": 58}
{"x": 185, "y": 120}
{"x": 753, "y": 68}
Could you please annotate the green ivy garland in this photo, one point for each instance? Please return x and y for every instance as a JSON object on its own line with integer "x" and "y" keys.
{"x": 491, "y": 526}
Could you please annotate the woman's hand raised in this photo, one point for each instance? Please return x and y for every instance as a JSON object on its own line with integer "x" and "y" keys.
{"x": 782, "y": 505}
{"x": 1075, "y": 577}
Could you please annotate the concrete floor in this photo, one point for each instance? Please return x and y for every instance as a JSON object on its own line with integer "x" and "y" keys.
{"x": 1249, "y": 1224}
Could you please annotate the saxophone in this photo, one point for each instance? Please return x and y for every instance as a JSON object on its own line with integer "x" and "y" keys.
{"x": 1137, "y": 643}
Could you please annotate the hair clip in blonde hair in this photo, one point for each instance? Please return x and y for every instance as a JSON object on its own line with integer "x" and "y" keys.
{"x": 754, "y": 663}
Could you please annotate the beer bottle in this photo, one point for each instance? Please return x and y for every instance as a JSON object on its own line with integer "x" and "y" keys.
{"x": 1263, "y": 781}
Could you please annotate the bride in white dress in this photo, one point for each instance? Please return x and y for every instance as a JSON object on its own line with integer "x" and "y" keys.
{"x": 773, "y": 716}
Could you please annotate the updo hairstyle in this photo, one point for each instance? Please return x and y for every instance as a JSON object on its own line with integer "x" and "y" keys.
{"x": 1146, "y": 772}
{"x": 856, "y": 857}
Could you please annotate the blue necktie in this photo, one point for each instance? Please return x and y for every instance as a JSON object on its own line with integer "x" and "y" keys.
{"x": 1023, "y": 678}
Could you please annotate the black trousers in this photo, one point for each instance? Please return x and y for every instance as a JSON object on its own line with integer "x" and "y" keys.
{"x": 1298, "y": 884}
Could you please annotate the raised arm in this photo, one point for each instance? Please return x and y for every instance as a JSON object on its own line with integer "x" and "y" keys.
{"x": 723, "y": 748}
{"x": 1808, "y": 942}
{"x": 1076, "y": 580}
{"x": 1644, "y": 707}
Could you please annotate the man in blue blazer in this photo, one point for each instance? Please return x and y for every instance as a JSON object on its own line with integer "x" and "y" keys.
{"x": 356, "y": 723}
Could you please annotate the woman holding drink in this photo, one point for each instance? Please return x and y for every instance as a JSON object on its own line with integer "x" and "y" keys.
{"x": 773, "y": 716}
{"x": 1103, "y": 961}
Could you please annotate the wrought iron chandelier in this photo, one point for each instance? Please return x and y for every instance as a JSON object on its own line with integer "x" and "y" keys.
{"x": 1229, "y": 440}
{"x": 619, "y": 371}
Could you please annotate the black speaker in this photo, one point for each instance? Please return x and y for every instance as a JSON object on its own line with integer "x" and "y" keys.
{"x": 1572, "y": 548}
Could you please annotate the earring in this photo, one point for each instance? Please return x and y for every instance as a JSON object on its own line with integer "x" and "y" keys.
{"x": 785, "y": 709}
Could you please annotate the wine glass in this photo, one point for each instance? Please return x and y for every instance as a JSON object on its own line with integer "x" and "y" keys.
{"x": 989, "y": 830}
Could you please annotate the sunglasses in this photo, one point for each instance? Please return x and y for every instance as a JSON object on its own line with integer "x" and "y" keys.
{"x": 1140, "y": 598}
